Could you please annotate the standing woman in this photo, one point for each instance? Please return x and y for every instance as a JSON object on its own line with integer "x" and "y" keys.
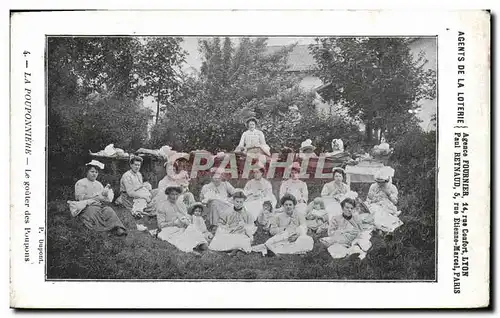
{"x": 95, "y": 216}
{"x": 297, "y": 188}
{"x": 334, "y": 192}
{"x": 134, "y": 193}
{"x": 258, "y": 190}
{"x": 216, "y": 195}
{"x": 252, "y": 140}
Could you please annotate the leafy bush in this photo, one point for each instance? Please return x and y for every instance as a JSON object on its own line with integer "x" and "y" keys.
{"x": 77, "y": 128}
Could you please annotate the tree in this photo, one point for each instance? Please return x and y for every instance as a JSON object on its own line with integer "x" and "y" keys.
{"x": 92, "y": 65}
{"x": 249, "y": 80}
{"x": 158, "y": 69}
{"x": 377, "y": 79}
{"x": 92, "y": 102}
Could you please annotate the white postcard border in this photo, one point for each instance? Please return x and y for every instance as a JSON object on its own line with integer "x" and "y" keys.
{"x": 28, "y": 34}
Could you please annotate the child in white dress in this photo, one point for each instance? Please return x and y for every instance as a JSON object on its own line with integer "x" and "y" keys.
{"x": 196, "y": 211}
{"x": 266, "y": 215}
{"x": 317, "y": 217}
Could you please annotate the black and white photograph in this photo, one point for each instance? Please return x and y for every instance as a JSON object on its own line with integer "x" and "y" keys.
{"x": 241, "y": 158}
{"x": 162, "y": 160}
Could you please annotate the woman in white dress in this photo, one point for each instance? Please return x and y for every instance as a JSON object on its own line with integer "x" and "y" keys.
{"x": 96, "y": 215}
{"x": 297, "y": 188}
{"x": 175, "y": 224}
{"x": 252, "y": 140}
{"x": 381, "y": 202}
{"x": 135, "y": 195}
{"x": 348, "y": 233}
{"x": 236, "y": 228}
{"x": 334, "y": 192}
{"x": 177, "y": 174}
{"x": 216, "y": 195}
{"x": 258, "y": 190}
{"x": 289, "y": 230}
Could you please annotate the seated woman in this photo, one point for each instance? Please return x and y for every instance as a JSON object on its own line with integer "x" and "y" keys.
{"x": 95, "y": 215}
{"x": 289, "y": 230}
{"x": 175, "y": 224}
{"x": 257, "y": 191}
{"x": 216, "y": 196}
{"x": 236, "y": 228}
{"x": 176, "y": 167}
{"x": 334, "y": 192}
{"x": 348, "y": 233}
{"x": 381, "y": 202}
{"x": 134, "y": 193}
{"x": 297, "y": 188}
{"x": 316, "y": 216}
{"x": 252, "y": 140}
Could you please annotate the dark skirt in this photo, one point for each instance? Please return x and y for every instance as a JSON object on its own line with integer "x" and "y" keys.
{"x": 100, "y": 218}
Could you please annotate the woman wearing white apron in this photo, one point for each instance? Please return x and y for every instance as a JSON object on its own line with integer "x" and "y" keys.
{"x": 297, "y": 188}
{"x": 334, "y": 192}
{"x": 258, "y": 190}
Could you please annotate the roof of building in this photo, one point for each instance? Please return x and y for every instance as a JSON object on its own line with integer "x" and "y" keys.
{"x": 300, "y": 59}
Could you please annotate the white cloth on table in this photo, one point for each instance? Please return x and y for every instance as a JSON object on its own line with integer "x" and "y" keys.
{"x": 365, "y": 173}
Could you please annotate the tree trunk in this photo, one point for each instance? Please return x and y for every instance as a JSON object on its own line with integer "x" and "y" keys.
{"x": 157, "y": 107}
{"x": 369, "y": 133}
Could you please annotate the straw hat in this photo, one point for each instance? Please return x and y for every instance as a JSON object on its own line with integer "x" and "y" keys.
{"x": 307, "y": 144}
{"x": 96, "y": 163}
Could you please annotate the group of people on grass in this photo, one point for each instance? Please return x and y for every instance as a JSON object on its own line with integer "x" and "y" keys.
{"x": 226, "y": 218}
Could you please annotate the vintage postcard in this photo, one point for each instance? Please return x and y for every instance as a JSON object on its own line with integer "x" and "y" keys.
{"x": 274, "y": 159}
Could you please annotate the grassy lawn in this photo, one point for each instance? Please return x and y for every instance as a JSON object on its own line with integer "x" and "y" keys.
{"x": 73, "y": 252}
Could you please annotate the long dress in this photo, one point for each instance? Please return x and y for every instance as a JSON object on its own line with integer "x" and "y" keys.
{"x": 235, "y": 231}
{"x": 95, "y": 216}
{"x": 217, "y": 200}
{"x": 254, "y": 142}
{"x": 171, "y": 218}
{"x": 382, "y": 207}
{"x": 282, "y": 228}
{"x": 258, "y": 191}
{"x": 348, "y": 235}
{"x": 133, "y": 192}
{"x": 332, "y": 194}
{"x": 298, "y": 189}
